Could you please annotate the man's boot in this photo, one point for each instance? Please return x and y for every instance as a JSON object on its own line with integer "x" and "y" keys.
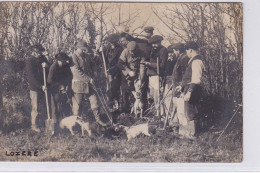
{"x": 97, "y": 118}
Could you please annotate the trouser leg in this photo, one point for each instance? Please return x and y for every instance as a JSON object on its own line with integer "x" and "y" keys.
{"x": 77, "y": 103}
{"x": 95, "y": 109}
{"x": 34, "y": 102}
{"x": 125, "y": 101}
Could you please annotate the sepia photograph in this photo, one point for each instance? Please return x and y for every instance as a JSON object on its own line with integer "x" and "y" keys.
{"x": 121, "y": 82}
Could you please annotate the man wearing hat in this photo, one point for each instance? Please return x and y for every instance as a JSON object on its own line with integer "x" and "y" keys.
{"x": 112, "y": 55}
{"x": 176, "y": 72}
{"x": 191, "y": 88}
{"x": 180, "y": 66}
{"x": 34, "y": 69}
{"x": 160, "y": 52}
{"x": 59, "y": 79}
{"x": 130, "y": 65}
{"x": 82, "y": 69}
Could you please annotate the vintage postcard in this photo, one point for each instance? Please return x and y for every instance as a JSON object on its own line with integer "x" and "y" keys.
{"x": 121, "y": 82}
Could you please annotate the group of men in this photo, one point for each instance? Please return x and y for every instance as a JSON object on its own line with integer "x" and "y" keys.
{"x": 127, "y": 59}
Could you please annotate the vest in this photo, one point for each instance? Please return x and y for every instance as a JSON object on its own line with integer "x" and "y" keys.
{"x": 188, "y": 72}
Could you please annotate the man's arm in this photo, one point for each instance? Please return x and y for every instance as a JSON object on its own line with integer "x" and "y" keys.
{"x": 52, "y": 71}
{"x": 77, "y": 72}
{"x": 122, "y": 63}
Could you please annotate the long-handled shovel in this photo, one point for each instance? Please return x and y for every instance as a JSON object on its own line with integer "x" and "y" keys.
{"x": 158, "y": 112}
{"x": 49, "y": 123}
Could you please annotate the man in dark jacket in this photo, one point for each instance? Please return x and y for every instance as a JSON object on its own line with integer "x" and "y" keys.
{"x": 131, "y": 67}
{"x": 180, "y": 66}
{"x": 159, "y": 53}
{"x": 59, "y": 79}
{"x": 34, "y": 68}
{"x": 175, "y": 72}
{"x": 112, "y": 55}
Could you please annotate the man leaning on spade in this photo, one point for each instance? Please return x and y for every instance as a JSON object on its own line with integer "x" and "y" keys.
{"x": 34, "y": 68}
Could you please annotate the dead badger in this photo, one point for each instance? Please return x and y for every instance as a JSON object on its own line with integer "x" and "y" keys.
{"x": 134, "y": 131}
{"x": 71, "y": 121}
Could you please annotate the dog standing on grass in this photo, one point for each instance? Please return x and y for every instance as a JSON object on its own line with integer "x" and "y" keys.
{"x": 71, "y": 121}
{"x": 138, "y": 104}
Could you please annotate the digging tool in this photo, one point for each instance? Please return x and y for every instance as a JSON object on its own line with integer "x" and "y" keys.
{"x": 167, "y": 114}
{"x": 49, "y": 123}
{"x": 158, "y": 73}
{"x": 229, "y": 122}
{"x": 103, "y": 104}
{"x": 161, "y": 101}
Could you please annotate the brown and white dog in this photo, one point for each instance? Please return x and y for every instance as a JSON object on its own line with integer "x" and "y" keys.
{"x": 133, "y": 131}
{"x": 71, "y": 121}
{"x": 138, "y": 104}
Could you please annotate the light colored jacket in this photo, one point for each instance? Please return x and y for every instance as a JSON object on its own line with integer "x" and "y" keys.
{"x": 81, "y": 71}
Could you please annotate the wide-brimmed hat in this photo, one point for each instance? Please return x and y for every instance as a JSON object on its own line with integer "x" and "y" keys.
{"x": 38, "y": 48}
{"x": 62, "y": 56}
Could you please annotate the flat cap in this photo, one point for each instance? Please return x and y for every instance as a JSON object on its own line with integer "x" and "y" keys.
{"x": 191, "y": 45}
{"x": 178, "y": 46}
{"x": 82, "y": 44}
{"x": 148, "y": 29}
{"x": 38, "y": 47}
{"x": 123, "y": 29}
{"x": 62, "y": 56}
{"x": 113, "y": 38}
{"x": 155, "y": 39}
{"x": 131, "y": 45}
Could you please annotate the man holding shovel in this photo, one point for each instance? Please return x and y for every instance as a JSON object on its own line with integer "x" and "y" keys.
{"x": 34, "y": 68}
{"x": 82, "y": 69}
{"x": 156, "y": 68}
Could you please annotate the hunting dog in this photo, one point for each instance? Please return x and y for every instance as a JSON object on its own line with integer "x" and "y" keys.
{"x": 133, "y": 131}
{"x": 138, "y": 104}
{"x": 71, "y": 121}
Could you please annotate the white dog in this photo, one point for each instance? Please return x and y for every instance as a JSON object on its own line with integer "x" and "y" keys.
{"x": 138, "y": 105}
{"x": 133, "y": 131}
{"x": 71, "y": 121}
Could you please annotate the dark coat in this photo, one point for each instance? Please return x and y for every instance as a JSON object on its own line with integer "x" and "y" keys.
{"x": 59, "y": 75}
{"x": 35, "y": 72}
{"x": 179, "y": 69}
{"x": 162, "y": 53}
{"x": 112, "y": 56}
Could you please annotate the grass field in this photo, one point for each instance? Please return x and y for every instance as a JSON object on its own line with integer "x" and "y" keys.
{"x": 162, "y": 146}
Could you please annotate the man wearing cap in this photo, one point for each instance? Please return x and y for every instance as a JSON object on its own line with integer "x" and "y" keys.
{"x": 177, "y": 72}
{"x": 191, "y": 88}
{"x": 34, "y": 69}
{"x": 59, "y": 79}
{"x": 112, "y": 55}
{"x": 82, "y": 69}
{"x": 160, "y": 52}
{"x": 180, "y": 66}
{"x": 130, "y": 65}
